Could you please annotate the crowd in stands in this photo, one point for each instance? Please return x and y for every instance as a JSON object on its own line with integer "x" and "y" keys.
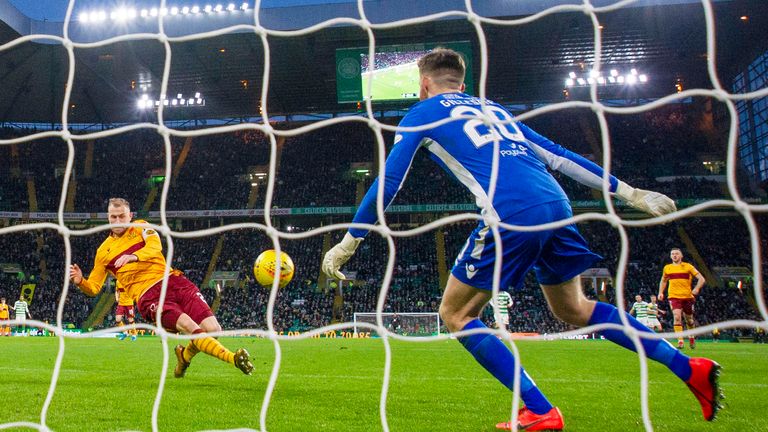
{"x": 389, "y": 59}
{"x": 314, "y": 170}
{"x": 657, "y": 150}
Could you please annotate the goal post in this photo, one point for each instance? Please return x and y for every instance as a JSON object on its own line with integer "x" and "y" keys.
{"x": 422, "y": 324}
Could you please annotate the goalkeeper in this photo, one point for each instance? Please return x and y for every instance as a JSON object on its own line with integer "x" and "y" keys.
{"x": 525, "y": 195}
{"x": 134, "y": 256}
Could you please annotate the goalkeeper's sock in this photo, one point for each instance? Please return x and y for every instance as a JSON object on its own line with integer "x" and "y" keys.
{"x": 656, "y": 349}
{"x": 497, "y": 359}
{"x": 211, "y": 347}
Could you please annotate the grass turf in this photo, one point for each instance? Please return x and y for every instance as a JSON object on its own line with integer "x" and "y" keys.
{"x": 335, "y": 385}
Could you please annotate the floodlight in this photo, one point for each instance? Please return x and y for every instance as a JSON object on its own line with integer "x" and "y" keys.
{"x": 593, "y": 73}
{"x": 174, "y": 10}
{"x": 219, "y": 8}
{"x": 208, "y": 8}
{"x": 144, "y": 97}
{"x": 165, "y": 102}
{"x": 611, "y": 79}
{"x": 140, "y": 104}
{"x": 94, "y": 16}
{"x": 631, "y": 79}
{"x": 600, "y": 80}
{"x": 163, "y": 11}
{"x": 178, "y": 96}
{"x": 633, "y": 71}
{"x": 231, "y": 7}
{"x": 144, "y": 13}
{"x": 569, "y": 82}
{"x": 131, "y": 13}
{"x": 102, "y": 15}
{"x": 199, "y": 101}
{"x": 244, "y": 6}
{"x": 191, "y": 101}
{"x": 614, "y": 73}
{"x": 182, "y": 101}
{"x": 620, "y": 79}
{"x": 157, "y": 103}
{"x": 153, "y": 12}
{"x": 185, "y": 10}
{"x": 572, "y": 75}
{"x": 195, "y": 9}
{"x": 581, "y": 81}
{"x": 113, "y": 15}
{"x": 197, "y": 95}
{"x": 83, "y": 17}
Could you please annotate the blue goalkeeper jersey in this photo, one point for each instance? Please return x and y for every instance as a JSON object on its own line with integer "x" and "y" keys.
{"x": 464, "y": 148}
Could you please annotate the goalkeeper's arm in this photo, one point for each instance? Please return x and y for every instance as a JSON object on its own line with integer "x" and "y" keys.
{"x": 395, "y": 170}
{"x": 590, "y": 174}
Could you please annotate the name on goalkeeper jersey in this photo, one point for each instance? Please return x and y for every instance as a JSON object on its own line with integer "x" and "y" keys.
{"x": 463, "y": 101}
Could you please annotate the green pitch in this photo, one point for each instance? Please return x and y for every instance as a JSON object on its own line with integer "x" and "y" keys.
{"x": 393, "y": 83}
{"x": 334, "y": 385}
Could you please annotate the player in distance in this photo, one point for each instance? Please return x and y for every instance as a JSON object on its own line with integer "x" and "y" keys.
{"x": 21, "y": 310}
{"x": 653, "y": 315}
{"x": 134, "y": 256}
{"x": 504, "y": 302}
{"x": 124, "y": 309}
{"x": 525, "y": 195}
{"x": 640, "y": 310}
{"x": 679, "y": 276}
{"x": 5, "y": 315}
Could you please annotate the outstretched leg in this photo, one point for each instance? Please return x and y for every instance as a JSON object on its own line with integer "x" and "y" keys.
{"x": 568, "y": 303}
{"x": 208, "y": 345}
{"x": 460, "y": 310}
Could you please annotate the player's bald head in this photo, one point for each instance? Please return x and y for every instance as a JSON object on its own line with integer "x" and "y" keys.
{"x": 445, "y": 67}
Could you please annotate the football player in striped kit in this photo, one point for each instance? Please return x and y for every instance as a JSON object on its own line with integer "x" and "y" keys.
{"x": 134, "y": 256}
{"x": 640, "y": 310}
{"x": 504, "y": 303}
{"x": 21, "y": 308}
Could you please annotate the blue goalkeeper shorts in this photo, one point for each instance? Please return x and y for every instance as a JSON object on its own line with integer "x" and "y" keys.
{"x": 556, "y": 255}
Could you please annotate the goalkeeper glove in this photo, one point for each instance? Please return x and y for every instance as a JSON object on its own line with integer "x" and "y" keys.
{"x": 654, "y": 203}
{"x": 338, "y": 255}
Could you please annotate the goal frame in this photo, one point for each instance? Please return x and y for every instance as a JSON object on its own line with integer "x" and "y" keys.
{"x": 436, "y": 315}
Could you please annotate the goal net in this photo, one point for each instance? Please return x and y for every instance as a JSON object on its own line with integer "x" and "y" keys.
{"x": 373, "y": 26}
{"x": 403, "y": 323}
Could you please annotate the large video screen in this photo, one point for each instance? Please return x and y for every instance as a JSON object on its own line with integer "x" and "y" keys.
{"x": 393, "y": 74}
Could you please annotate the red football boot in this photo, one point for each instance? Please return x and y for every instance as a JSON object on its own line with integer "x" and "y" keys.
{"x": 529, "y": 421}
{"x": 703, "y": 382}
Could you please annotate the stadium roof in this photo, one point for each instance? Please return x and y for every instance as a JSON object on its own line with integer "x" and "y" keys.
{"x": 527, "y": 62}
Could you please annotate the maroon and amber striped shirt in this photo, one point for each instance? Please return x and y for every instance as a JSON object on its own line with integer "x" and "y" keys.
{"x": 135, "y": 277}
{"x": 680, "y": 278}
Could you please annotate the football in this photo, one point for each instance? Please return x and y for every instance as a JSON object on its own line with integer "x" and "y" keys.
{"x": 266, "y": 265}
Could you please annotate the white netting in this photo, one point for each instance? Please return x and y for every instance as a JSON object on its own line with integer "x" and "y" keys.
{"x": 468, "y": 13}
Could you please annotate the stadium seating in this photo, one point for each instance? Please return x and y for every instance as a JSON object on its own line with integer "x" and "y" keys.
{"x": 314, "y": 170}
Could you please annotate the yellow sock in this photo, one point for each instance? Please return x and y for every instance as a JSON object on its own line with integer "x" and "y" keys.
{"x": 214, "y": 348}
{"x": 190, "y": 351}
{"x": 678, "y": 330}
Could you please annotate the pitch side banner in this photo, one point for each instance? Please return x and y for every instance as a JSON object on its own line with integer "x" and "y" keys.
{"x": 322, "y": 211}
